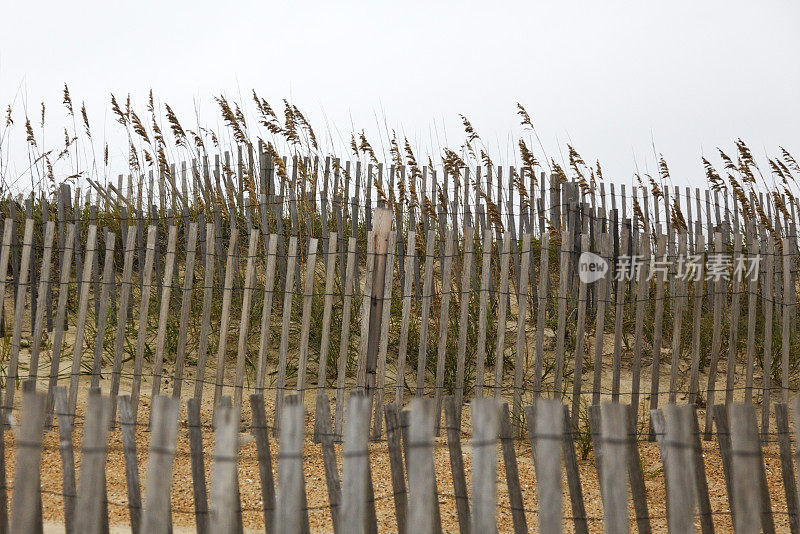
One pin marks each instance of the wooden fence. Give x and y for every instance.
(437, 292)
(410, 440)
(470, 316)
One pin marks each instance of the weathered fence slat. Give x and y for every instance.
(128, 427)
(619, 310)
(421, 471)
(326, 438)
(720, 295)
(90, 509)
(658, 323)
(680, 286)
(209, 264)
(41, 302)
(164, 313)
(385, 323)
(677, 452)
(61, 316)
(292, 514)
(344, 342)
(613, 426)
(512, 471)
(427, 290)
(67, 451)
(752, 316)
(444, 323)
(27, 505)
(724, 441)
(636, 477)
(355, 460)
(580, 342)
(642, 304)
(288, 295)
(463, 319)
(393, 440)
(19, 310)
(733, 333)
(547, 441)
(366, 312)
(750, 514)
(503, 298)
(141, 337)
(482, 314)
(102, 316)
(201, 515)
(324, 346)
(308, 299)
(579, 519)
(485, 425)
(766, 367)
(224, 484)
(157, 515)
(402, 348)
(122, 316)
(457, 464)
(787, 465)
(225, 318)
(603, 299)
(521, 352)
(244, 323)
(266, 313)
(186, 304)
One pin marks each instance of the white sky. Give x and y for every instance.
(610, 77)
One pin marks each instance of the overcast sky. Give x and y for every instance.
(609, 77)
